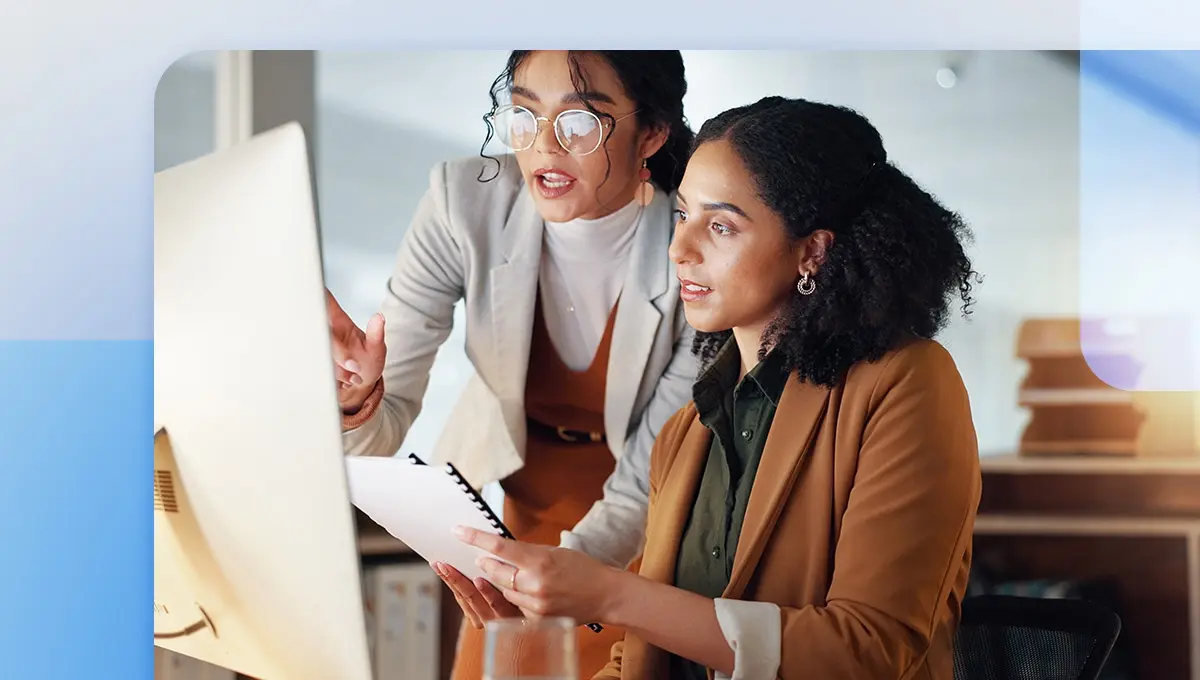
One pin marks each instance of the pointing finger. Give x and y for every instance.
(505, 549)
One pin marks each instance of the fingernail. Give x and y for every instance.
(352, 366)
(461, 532)
(355, 379)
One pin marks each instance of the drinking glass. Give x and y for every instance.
(530, 649)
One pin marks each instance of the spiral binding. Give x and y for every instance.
(484, 508)
(475, 497)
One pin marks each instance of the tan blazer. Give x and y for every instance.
(858, 526)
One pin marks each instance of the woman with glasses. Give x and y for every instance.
(812, 507)
(573, 322)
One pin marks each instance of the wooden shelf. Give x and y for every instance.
(1037, 525)
(1104, 487)
(1011, 463)
(1071, 397)
(1132, 524)
(1096, 448)
(1074, 412)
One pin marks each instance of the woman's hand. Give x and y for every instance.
(547, 581)
(358, 356)
(479, 600)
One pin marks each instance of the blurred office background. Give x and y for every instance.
(1000, 145)
(995, 135)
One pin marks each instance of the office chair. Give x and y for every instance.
(1004, 637)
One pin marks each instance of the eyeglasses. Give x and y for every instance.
(579, 132)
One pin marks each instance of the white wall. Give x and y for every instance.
(1001, 147)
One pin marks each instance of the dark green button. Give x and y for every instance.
(746, 434)
(716, 553)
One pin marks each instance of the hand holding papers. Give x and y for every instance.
(420, 505)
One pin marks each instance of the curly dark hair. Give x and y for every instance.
(653, 79)
(897, 257)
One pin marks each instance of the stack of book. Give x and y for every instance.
(1076, 412)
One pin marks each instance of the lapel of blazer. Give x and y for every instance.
(801, 407)
(665, 532)
(674, 502)
(638, 317)
(513, 291)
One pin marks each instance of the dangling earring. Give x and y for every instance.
(806, 285)
(645, 191)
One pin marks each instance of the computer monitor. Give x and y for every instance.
(256, 567)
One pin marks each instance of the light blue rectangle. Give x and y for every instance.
(76, 528)
(1140, 217)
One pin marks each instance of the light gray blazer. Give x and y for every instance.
(482, 242)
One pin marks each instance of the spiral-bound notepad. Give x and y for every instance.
(421, 504)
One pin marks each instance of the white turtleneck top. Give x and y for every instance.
(583, 268)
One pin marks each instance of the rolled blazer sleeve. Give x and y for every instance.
(614, 528)
(418, 311)
(752, 630)
(905, 532)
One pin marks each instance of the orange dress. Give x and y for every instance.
(560, 480)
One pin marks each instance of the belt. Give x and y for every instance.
(565, 434)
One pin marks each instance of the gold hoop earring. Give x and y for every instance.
(805, 286)
(645, 190)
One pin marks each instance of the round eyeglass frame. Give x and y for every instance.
(538, 120)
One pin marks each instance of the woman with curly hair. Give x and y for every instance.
(811, 508)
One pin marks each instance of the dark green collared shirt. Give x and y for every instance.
(739, 415)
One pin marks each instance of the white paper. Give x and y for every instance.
(420, 505)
